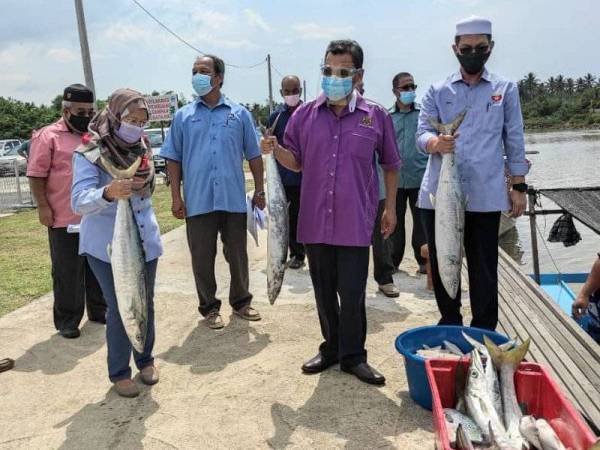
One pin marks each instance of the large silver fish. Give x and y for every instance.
(507, 363)
(480, 405)
(128, 265)
(278, 225)
(449, 203)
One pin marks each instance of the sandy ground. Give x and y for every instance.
(237, 388)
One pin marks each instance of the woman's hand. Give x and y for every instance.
(118, 190)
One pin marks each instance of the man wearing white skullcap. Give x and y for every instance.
(492, 128)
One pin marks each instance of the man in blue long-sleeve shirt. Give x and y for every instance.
(492, 128)
(291, 92)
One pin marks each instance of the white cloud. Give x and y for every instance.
(313, 31)
(256, 20)
(62, 55)
(214, 19)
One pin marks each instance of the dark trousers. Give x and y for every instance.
(398, 237)
(340, 271)
(202, 231)
(383, 269)
(117, 342)
(292, 194)
(481, 250)
(73, 282)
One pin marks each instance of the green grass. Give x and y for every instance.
(25, 257)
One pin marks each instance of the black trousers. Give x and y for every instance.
(398, 238)
(202, 231)
(339, 277)
(383, 269)
(293, 196)
(481, 249)
(73, 283)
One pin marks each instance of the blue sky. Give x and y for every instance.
(39, 46)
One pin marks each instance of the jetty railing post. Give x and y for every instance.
(532, 226)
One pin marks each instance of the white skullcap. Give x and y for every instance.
(473, 25)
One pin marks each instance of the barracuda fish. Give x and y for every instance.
(548, 437)
(480, 405)
(491, 376)
(529, 430)
(278, 225)
(507, 363)
(449, 203)
(128, 265)
(463, 442)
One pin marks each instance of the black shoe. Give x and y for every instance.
(366, 373)
(70, 334)
(317, 364)
(295, 263)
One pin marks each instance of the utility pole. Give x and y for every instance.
(304, 89)
(85, 49)
(270, 84)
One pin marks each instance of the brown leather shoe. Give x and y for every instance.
(247, 313)
(127, 388)
(149, 375)
(214, 320)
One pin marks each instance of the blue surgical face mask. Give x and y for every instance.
(201, 84)
(129, 133)
(336, 88)
(407, 97)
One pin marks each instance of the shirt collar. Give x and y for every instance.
(62, 125)
(457, 76)
(356, 101)
(415, 107)
(223, 100)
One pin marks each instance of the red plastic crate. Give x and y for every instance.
(535, 387)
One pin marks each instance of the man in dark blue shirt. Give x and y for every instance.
(290, 91)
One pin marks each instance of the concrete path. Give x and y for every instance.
(238, 388)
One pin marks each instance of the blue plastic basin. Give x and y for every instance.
(412, 340)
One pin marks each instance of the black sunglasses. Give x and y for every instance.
(408, 87)
(479, 50)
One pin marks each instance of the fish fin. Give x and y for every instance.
(508, 345)
(121, 174)
(435, 124)
(475, 343)
(453, 348)
(432, 200)
(462, 440)
(512, 357)
(456, 122)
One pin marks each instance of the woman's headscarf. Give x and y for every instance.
(118, 152)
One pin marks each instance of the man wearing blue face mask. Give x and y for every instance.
(405, 115)
(206, 146)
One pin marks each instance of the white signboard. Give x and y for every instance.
(162, 107)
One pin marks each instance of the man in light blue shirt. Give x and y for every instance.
(208, 141)
(492, 128)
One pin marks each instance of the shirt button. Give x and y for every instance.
(331, 173)
(333, 155)
(335, 137)
(330, 192)
(330, 210)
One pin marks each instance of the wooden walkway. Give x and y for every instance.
(557, 342)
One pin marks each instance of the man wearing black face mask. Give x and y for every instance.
(49, 169)
(492, 129)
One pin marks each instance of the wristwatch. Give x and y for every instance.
(260, 194)
(520, 187)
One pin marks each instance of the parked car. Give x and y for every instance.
(23, 149)
(8, 144)
(156, 141)
(8, 161)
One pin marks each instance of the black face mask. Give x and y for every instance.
(473, 63)
(80, 123)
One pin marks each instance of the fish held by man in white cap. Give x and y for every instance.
(492, 128)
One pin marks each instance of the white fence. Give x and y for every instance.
(14, 187)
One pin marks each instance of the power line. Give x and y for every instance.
(183, 41)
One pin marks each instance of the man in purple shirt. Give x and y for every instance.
(333, 140)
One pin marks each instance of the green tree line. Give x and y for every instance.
(559, 102)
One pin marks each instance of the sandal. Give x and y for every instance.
(6, 364)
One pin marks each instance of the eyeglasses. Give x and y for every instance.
(407, 87)
(479, 50)
(342, 72)
(137, 123)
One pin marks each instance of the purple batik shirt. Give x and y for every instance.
(340, 192)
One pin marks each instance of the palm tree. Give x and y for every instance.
(551, 86)
(580, 85)
(570, 85)
(560, 84)
(589, 80)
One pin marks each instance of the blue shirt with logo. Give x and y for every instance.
(211, 145)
